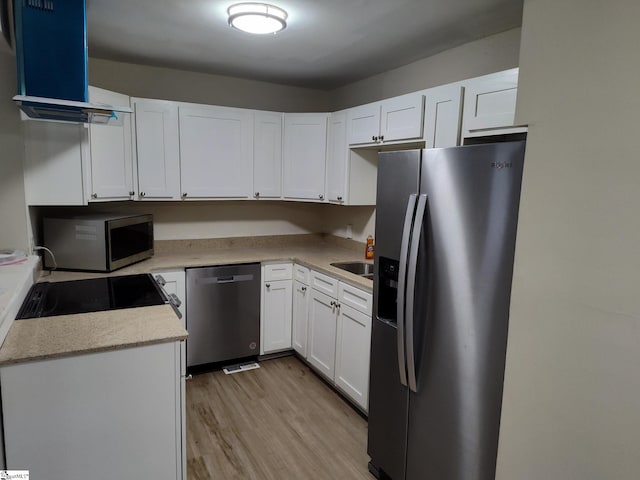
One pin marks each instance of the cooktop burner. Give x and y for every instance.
(48, 299)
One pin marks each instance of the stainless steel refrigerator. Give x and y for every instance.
(445, 238)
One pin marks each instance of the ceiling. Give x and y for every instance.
(327, 43)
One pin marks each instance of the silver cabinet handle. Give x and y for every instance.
(321, 196)
(94, 195)
(402, 276)
(339, 199)
(257, 194)
(304, 289)
(374, 138)
(184, 195)
(268, 285)
(142, 194)
(411, 287)
(381, 138)
(161, 281)
(176, 301)
(189, 377)
(132, 193)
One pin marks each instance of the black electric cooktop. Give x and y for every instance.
(48, 299)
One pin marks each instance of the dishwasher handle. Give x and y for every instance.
(225, 279)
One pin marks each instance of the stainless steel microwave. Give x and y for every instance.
(97, 242)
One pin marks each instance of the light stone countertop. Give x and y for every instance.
(314, 251)
(66, 335)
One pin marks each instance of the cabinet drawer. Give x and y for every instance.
(301, 274)
(280, 271)
(324, 284)
(355, 298)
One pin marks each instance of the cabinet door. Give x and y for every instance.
(111, 156)
(337, 158)
(401, 118)
(216, 152)
(490, 102)
(300, 317)
(442, 117)
(157, 149)
(99, 415)
(55, 163)
(267, 155)
(353, 353)
(305, 155)
(364, 124)
(276, 318)
(174, 283)
(322, 333)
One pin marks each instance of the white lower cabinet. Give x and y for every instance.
(300, 317)
(276, 311)
(352, 354)
(338, 324)
(322, 333)
(174, 283)
(114, 414)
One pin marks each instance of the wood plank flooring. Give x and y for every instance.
(277, 422)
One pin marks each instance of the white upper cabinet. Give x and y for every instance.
(364, 124)
(393, 120)
(443, 116)
(111, 152)
(157, 149)
(337, 158)
(55, 163)
(216, 152)
(401, 118)
(267, 155)
(490, 103)
(304, 155)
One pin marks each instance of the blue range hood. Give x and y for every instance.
(51, 53)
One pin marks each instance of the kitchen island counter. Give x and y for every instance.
(65, 335)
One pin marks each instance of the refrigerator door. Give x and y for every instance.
(398, 176)
(462, 309)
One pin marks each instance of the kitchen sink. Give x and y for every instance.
(363, 269)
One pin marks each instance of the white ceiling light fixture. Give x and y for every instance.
(257, 18)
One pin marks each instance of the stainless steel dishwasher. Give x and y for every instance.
(223, 313)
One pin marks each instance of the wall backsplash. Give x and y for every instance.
(225, 219)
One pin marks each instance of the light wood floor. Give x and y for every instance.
(277, 422)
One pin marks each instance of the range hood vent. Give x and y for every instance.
(51, 55)
(39, 108)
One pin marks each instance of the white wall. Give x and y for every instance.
(180, 85)
(572, 389)
(335, 219)
(13, 212)
(473, 59)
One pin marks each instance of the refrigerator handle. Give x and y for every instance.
(411, 287)
(402, 275)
